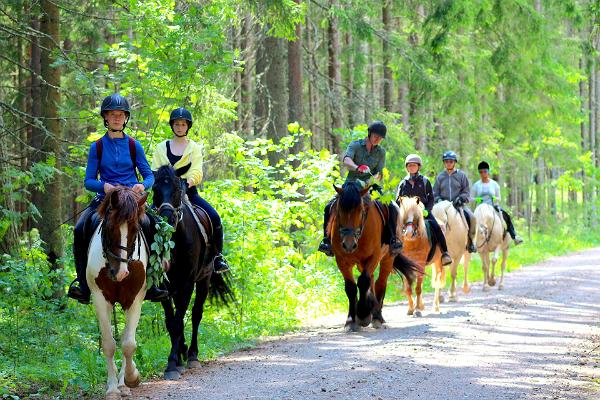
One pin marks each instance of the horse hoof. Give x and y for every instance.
(125, 391)
(492, 282)
(180, 369)
(410, 312)
(352, 327)
(442, 298)
(418, 314)
(501, 286)
(172, 375)
(466, 289)
(133, 383)
(194, 364)
(113, 395)
(364, 322)
(486, 288)
(452, 299)
(377, 324)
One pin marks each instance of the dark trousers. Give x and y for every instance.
(510, 228)
(215, 219)
(437, 231)
(469, 216)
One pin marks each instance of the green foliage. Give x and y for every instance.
(160, 250)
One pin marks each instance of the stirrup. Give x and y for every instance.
(77, 292)
(517, 240)
(156, 294)
(220, 266)
(395, 247)
(325, 247)
(446, 259)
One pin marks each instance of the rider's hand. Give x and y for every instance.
(363, 169)
(478, 200)
(457, 202)
(190, 183)
(108, 187)
(425, 213)
(138, 188)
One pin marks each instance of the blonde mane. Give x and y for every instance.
(412, 207)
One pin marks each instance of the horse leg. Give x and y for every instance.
(197, 312)
(103, 311)
(408, 292)
(174, 321)
(466, 261)
(129, 377)
(419, 293)
(453, 273)
(366, 300)
(492, 280)
(438, 281)
(503, 268)
(485, 265)
(380, 287)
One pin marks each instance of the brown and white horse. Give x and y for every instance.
(491, 238)
(418, 248)
(455, 228)
(116, 273)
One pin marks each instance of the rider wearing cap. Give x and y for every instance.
(185, 155)
(453, 185)
(487, 190)
(365, 159)
(416, 184)
(110, 163)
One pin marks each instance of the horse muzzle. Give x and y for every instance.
(117, 275)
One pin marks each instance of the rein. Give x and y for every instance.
(356, 232)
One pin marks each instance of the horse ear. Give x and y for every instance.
(417, 199)
(114, 198)
(337, 189)
(142, 200)
(399, 200)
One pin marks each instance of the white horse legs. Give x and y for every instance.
(485, 266)
(502, 269)
(129, 375)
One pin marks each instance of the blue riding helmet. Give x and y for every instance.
(449, 155)
(115, 102)
(378, 128)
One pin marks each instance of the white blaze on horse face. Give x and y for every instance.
(123, 268)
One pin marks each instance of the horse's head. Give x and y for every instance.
(351, 214)
(411, 215)
(169, 190)
(121, 211)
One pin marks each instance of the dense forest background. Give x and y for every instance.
(277, 89)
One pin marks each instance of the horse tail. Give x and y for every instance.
(405, 266)
(220, 291)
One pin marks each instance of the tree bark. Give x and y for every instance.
(247, 76)
(335, 79)
(295, 91)
(276, 88)
(388, 77)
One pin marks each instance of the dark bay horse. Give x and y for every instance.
(191, 267)
(356, 231)
(116, 273)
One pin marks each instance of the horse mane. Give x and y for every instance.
(409, 205)
(350, 197)
(126, 208)
(166, 171)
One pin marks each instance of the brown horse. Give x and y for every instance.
(356, 232)
(418, 248)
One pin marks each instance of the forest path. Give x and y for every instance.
(534, 340)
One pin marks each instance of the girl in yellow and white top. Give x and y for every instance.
(185, 155)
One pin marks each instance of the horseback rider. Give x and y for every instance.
(487, 190)
(416, 184)
(185, 155)
(453, 185)
(365, 159)
(112, 161)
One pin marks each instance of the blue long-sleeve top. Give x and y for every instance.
(116, 167)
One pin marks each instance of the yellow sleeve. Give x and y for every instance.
(159, 157)
(195, 171)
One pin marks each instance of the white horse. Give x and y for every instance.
(456, 230)
(491, 237)
(116, 273)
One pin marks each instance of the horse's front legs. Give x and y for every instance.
(129, 377)
(197, 311)
(103, 311)
(408, 293)
(466, 261)
(453, 273)
(419, 293)
(174, 322)
(380, 288)
(366, 300)
(503, 268)
(485, 266)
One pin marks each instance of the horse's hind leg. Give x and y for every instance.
(492, 280)
(366, 300)
(174, 321)
(129, 376)
(103, 312)
(485, 266)
(380, 288)
(503, 268)
(197, 312)
(453, 272)
(408, 292)
(466, 259)
(419, 293)
(351, 292)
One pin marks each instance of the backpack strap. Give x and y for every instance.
(132, 153)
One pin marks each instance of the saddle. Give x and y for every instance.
(381, 209)
(202, 220)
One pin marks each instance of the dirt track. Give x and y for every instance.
(534, 340)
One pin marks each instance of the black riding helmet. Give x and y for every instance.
(378, 128)
(449, 155)
(181, 113)
(115, 102)
(483, 165)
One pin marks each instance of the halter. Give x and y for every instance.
(409, 223)
(175, 210)
(107, 244)
(356, 232)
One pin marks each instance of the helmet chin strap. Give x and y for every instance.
(184, 135)
(122, 130)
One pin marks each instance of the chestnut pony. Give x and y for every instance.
(418, 248)
(356, 231)
(116, 273)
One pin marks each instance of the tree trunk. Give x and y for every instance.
(335, 79)
(295, 66)
(276, 88)
(388, 77)
(248, 49)
(50, 204)
(404, 101)
(261, 110)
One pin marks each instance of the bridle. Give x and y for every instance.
(354, 231)
(175, 210)
(107, 244)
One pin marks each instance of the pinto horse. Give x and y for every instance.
(116, 273)
(491, 238)
(356, 230)
(191, 267)
(419, 248)
(455, 228)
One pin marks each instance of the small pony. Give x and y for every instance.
(356, 231)
(491, 237)
(419, 248)
(116, 273)
(455, 228)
